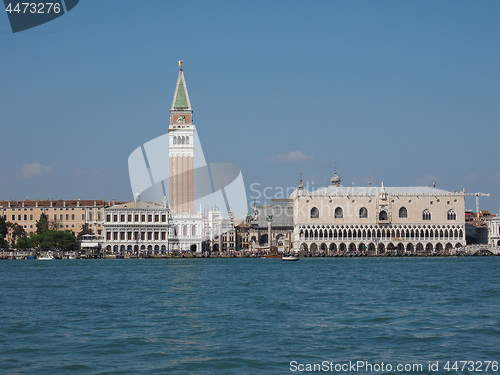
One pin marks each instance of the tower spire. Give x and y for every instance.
(181, 97)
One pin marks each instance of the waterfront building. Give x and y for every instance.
(494, 230)
(187, 232)
(272, 222)
(147, 226)
(476, 226)
(136, 226)
(62, 214)
(219, 231)
(377, 220)
(242, 231)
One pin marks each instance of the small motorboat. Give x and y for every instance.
(48, 256)
(290, 258)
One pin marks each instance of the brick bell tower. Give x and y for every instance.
(181, 150)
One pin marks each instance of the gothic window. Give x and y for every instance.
(187, 140)
(363, 213)
(175, 140)
(452, 215)
(339, 214)
(314, 213)
(382, 215)
(426, 215)
(403, 213)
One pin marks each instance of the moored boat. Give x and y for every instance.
(271, 256)
(48, 256)
(290, 258)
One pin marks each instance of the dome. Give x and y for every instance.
(336, 179)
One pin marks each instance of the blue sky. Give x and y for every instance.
(407, 92)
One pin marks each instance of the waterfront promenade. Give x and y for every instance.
(470, 250)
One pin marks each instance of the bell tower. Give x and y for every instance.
(181, 149)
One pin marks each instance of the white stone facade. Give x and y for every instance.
(377, 220)
(187, 233)
(137, 226)
(494, 231)
(141, 226)
(216, 227)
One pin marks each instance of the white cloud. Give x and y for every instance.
(34, 169)
(291, 156)
(426, 180)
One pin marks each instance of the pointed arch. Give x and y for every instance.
(339, 213)
(426, 214)
(403, 213)
(363, 213)
(314, 213)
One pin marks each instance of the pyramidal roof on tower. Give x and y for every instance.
(181, 97)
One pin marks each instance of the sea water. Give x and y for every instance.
(249, 316)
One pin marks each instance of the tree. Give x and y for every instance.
(22, 243)
(36, 241)
(16, 231)
(3, 232)
(54, 224)
(59, 239)
(3, 226)
(42, 225)
(85, 230)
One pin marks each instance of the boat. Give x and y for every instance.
(271, 256)
(290, 258)
(48, 256)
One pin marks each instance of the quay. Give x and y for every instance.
(470, 250)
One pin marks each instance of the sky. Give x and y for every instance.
(404, 92)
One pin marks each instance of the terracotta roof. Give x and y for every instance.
(58, 203)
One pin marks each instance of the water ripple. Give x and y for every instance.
(244, 316)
